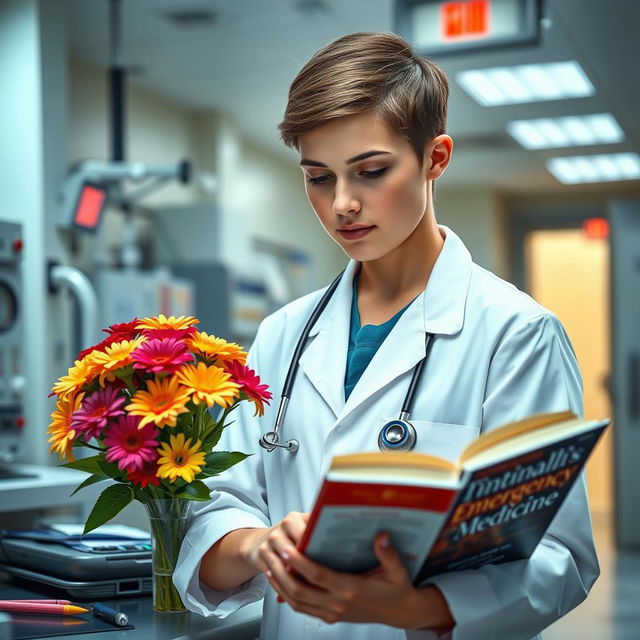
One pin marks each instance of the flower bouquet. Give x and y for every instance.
(141, 400)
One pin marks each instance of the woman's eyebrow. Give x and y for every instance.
(361, 156)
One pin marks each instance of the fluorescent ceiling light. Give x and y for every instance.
(600, 168)
(549, 133)
(526, 83)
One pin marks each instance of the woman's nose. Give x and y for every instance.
(344, 200)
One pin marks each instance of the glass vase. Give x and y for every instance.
(169, 521)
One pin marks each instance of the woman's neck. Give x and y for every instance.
(405, 271)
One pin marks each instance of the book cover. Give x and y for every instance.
(504, 509)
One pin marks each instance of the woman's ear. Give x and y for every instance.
(437, 156)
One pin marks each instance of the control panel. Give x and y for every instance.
(12, 377)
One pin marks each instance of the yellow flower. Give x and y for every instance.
(62, 435)
(163, 401)
(162, 322)
(115, 356)
(82, 372)
(216, 348)
(208, 384)
(179, 459)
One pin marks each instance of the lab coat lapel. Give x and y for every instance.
(403, 348)
(324, 360)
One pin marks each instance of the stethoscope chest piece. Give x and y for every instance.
(397, 435)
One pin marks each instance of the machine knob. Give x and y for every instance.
(18, 385)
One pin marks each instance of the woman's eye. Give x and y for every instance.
(318, 180)
(374, 174)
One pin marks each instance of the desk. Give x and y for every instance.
(242, 625)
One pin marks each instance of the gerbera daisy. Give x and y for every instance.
(250, 385)
(163, 401)
(148, 474)
(60, 431)
(161, 356)
(176, 334)
(129, 446)
(79, 374)
(180, 459)
(123, 331)
(162, 322)
(216, 348)
(101, 346)
(95, 411)
(208, 384)
(116, 356)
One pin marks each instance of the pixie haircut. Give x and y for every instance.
(362, 72)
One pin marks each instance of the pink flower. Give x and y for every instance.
(164, 355)
(130, 446)
(148, 474)
(250, 385)
(96, 410)
(178, 334)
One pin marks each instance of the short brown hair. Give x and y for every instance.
(363, 72)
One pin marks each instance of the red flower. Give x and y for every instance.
(161, 356)
(101, 346)
(146, 475)
(123, 331)
(250, 385)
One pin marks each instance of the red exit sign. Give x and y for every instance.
(465, 19)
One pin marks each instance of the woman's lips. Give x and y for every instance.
(355, 234)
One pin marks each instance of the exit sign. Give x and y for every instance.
(438, 27)
(465, 19)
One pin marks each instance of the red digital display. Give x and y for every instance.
(89, 207)
(465, 19)
(596, 228)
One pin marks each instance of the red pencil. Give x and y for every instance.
(40, 601)
(38, 607)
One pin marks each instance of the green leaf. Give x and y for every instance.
(90, 465)
(196, 490)
(110, 503)
(89, 481)
(109, 468)
(213, 438)
(219, 461)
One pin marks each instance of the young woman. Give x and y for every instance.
(368, 117)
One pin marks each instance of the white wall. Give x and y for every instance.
(476, 215)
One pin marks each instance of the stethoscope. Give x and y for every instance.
(395, 435)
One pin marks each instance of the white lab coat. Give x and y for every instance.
(498, 356)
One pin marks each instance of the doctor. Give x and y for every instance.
(368, 117)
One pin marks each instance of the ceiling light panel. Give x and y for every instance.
(570, 131)
(597, 168)
(526, 83)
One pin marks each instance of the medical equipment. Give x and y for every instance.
(395, 435)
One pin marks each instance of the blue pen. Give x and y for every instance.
(110, 615)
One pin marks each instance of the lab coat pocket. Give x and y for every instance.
(441, 439)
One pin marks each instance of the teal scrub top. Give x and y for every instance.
(364, 342)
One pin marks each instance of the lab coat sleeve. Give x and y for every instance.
(238, 501)
(533, 370)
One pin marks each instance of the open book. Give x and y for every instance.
(492, 506)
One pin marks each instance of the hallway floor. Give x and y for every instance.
(612, 610)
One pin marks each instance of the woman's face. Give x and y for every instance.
(365, 184)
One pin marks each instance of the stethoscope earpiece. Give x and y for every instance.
(397, 435)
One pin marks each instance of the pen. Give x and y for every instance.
(110, 615)
(38, 607)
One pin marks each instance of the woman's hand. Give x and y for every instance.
(384, 595)
(267, 545)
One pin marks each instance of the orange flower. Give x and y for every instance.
(83, 371)
(115, 356)
(163, 401)
(216, 348)
(162, 322)
(60, 431)
(208, 384)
